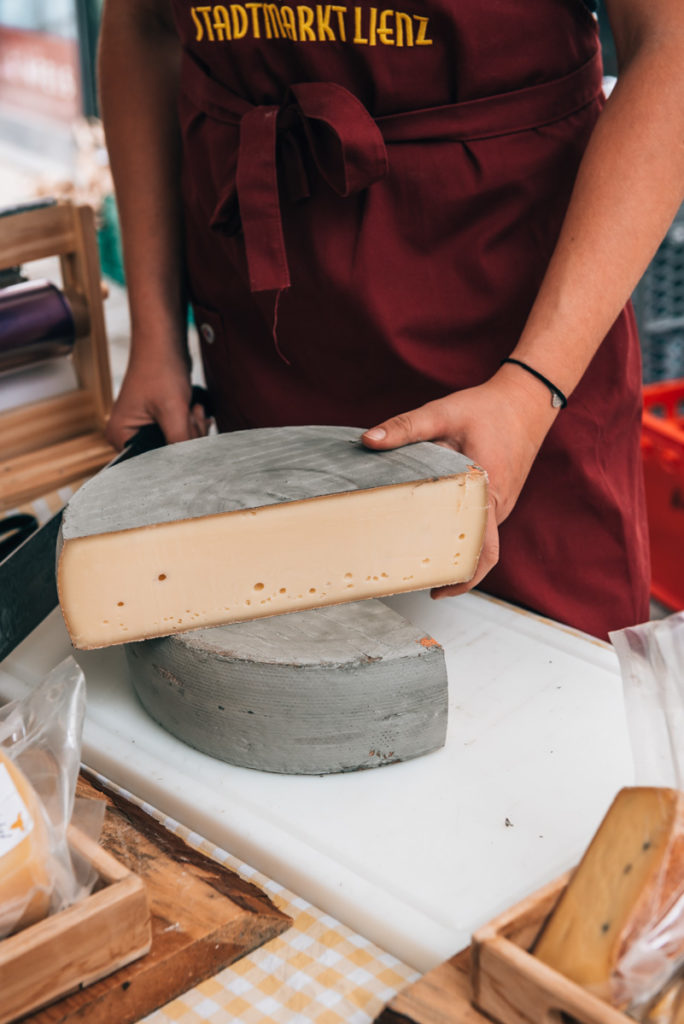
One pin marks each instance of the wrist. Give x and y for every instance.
(528, 398)
(558, 399)
(155, 355)
(158, 337)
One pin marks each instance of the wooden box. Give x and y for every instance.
(513, 987)
(57, 440)
(79, 945)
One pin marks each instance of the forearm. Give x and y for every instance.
(138, 71)
(629, 186)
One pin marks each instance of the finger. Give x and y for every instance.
(176, 422)
(423, 424)
(199, 420)
(489, 556)
(118, 433)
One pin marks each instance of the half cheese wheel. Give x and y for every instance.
(326, 690)
(256, 523)
(25, 878)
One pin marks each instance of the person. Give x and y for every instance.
(422, 220)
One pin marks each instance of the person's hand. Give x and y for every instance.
(500, 425)
(156, 391)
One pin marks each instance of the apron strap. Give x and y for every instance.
(347, 144)
(502, 114)
(350, 155)
(256, 184)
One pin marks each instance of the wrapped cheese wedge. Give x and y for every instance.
(40, 756)
(25, 857)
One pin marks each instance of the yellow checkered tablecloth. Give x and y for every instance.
(318, 970)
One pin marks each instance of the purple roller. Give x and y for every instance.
(35, 323)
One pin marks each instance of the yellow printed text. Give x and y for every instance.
(309, 23)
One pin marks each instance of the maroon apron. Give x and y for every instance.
(372, 196)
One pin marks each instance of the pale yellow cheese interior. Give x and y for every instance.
(25, 878)
(166, 578)
(624, 881)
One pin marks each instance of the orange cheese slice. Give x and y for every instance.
(25, 877)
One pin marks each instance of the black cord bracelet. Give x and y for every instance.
(558, 399)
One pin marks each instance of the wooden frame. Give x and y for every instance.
(49, 443)
(79, 945)
(513, 987)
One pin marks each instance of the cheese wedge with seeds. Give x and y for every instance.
(238, 526)
(629, 877)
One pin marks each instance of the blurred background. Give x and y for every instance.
(51, 145)
(47, 84)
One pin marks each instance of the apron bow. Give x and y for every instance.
(347, 149)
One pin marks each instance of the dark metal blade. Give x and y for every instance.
(28, 584)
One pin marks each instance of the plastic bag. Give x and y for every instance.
(40, 754)
(651, 660)
(652, 664)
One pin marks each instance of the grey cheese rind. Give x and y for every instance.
(245, 470)
(328, 690)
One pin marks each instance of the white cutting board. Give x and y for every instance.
(413, 856)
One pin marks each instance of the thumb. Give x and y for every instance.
(199, 420)
(422, 424)
(175, 420)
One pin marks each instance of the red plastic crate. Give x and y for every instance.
(662, 445)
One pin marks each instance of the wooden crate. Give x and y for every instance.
(79, 945)
(513, 987)
(497, 979)
(51, 442)
(203, 915)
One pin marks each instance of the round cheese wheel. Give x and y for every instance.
(331, 689)
(25, 875)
